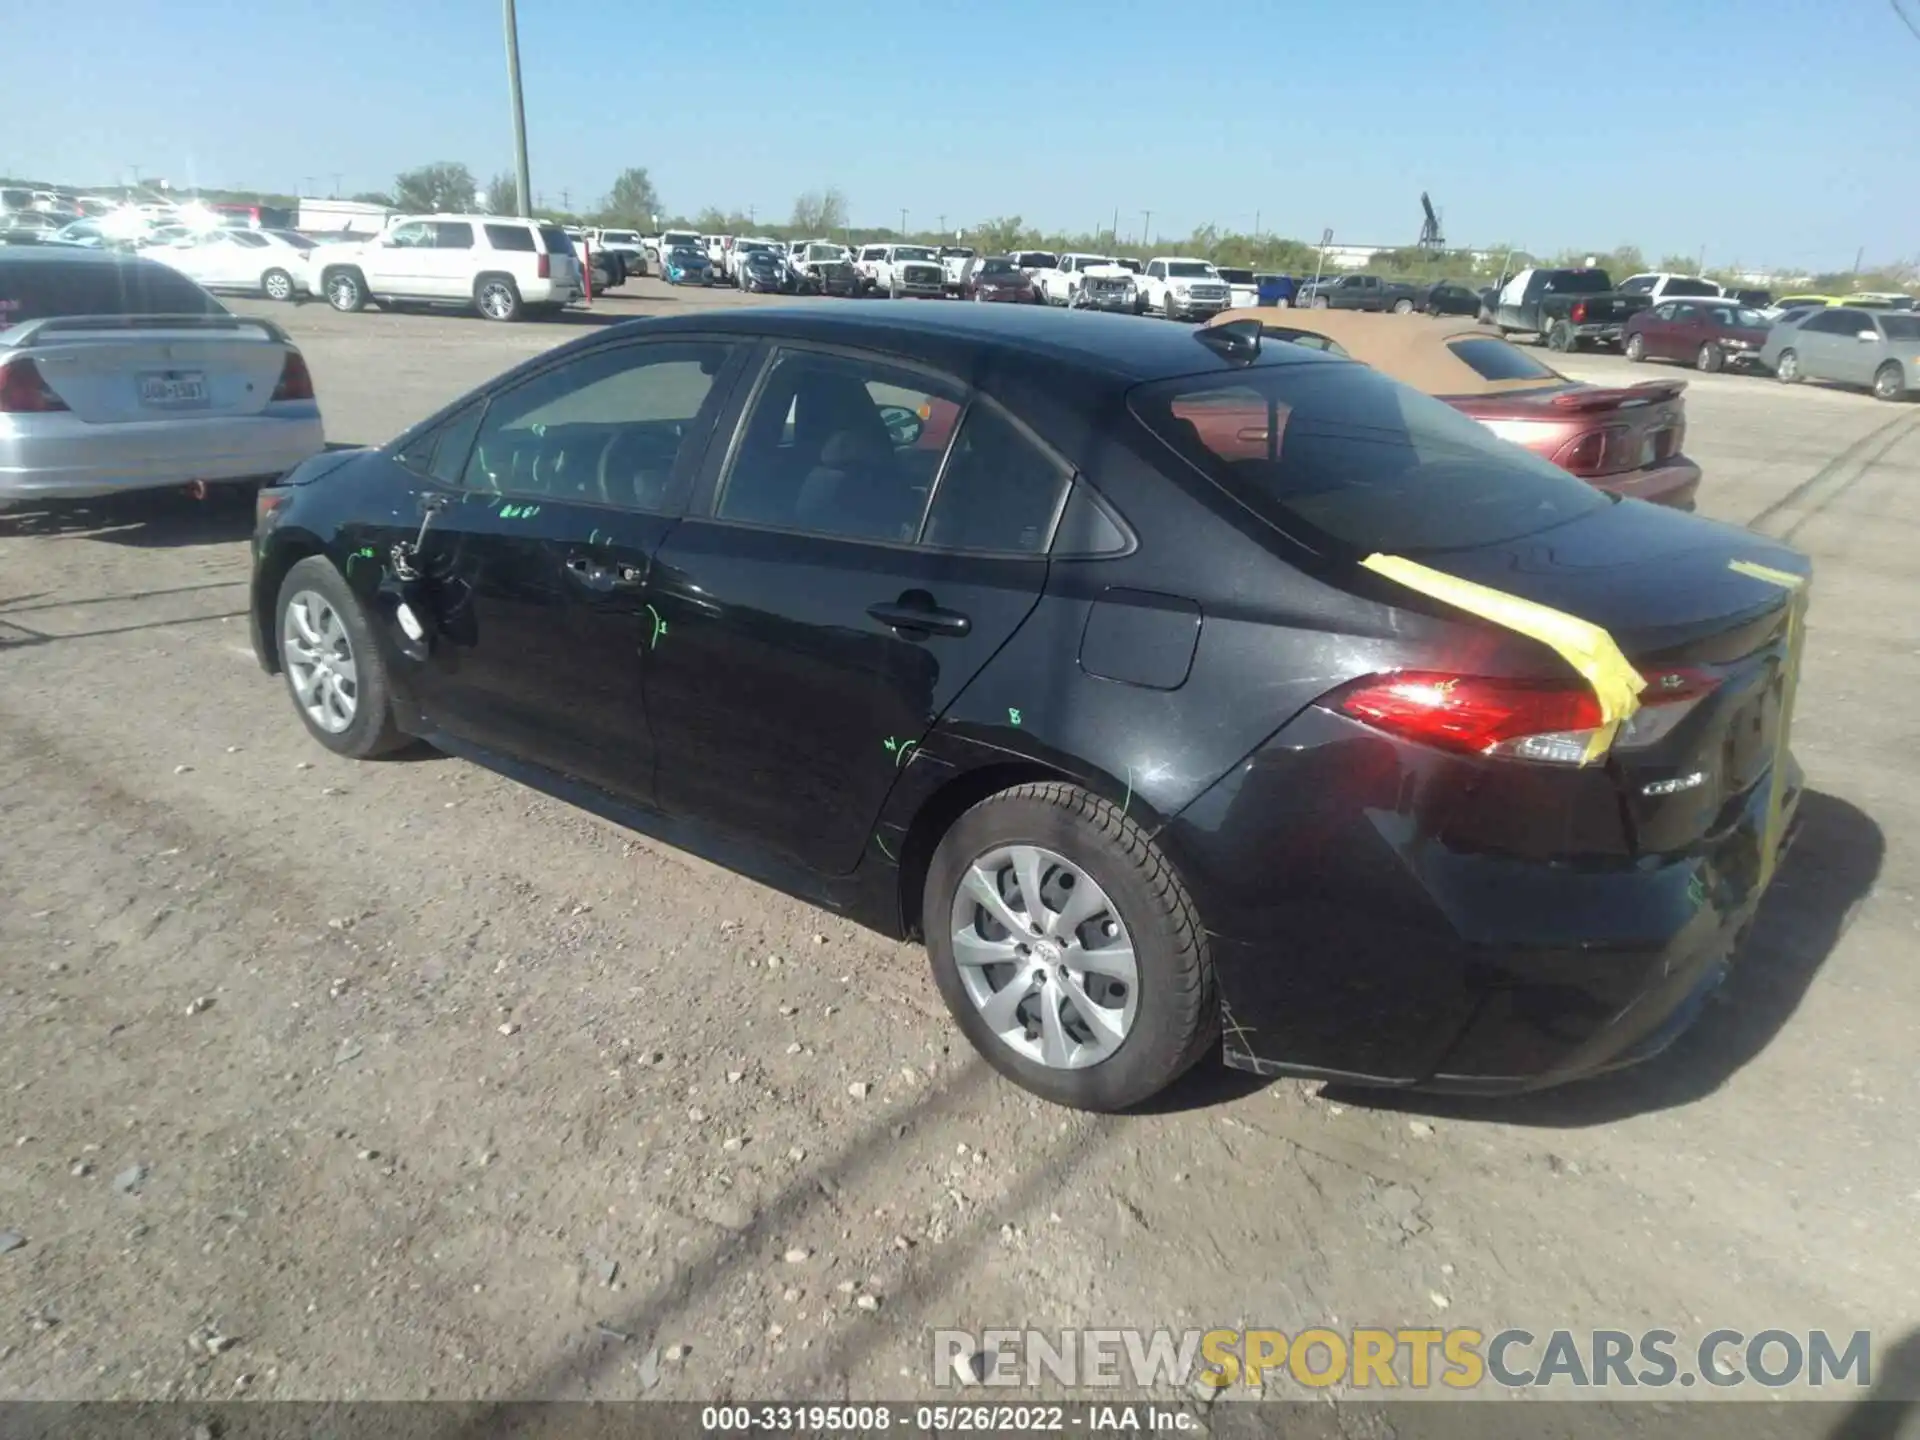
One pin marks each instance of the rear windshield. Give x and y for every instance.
(1691, 287)
(1901, 327)
(1344, 459)
(558, 242)
(39, 289)
(619, 237)
(1493, 359)
(1579, 282)
(1237, 277)
(294, 238)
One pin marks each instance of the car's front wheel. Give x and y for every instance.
(1403, 307)
(1067, 948)
(346, 292)
(1889, 382)
(1710, 359)
(277, 284)
(1636, 349)
(334, 670)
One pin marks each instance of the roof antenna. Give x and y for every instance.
(1237, 340)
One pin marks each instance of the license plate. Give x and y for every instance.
(173, 389)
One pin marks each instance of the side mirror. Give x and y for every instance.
(904, 426)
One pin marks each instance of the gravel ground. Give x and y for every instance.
(323, 1080)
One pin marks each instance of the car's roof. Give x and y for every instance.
(1130, 348)
(1416, 350)
(71, 255)
(1182, 260)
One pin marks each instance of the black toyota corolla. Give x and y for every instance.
(1066, 642)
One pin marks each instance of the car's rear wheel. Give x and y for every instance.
(1636, 349)
(497, 298)
(1787, 368)
(333, 667)
(1560, 336)
(1889, 382)
(346, 292)
(1321, 302)
(1067, 948)
(277, 284)
(1403, 307)
(1710, 359)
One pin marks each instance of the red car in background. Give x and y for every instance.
(1624, 439)
(999, 278)
(1708, 333)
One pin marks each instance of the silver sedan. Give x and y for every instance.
(120, 374)
(1879, 349)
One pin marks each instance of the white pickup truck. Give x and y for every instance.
(1094, 282)
(1183, 288)
(902, 270)
(627, 242)
(956, 263)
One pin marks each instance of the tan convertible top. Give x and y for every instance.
(1416, 350)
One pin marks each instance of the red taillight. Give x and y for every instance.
(295, 381)
(543, 267)
(1583, 454)
(23, 392)
(1468, 713)
(1546, 721)
(1579, 312)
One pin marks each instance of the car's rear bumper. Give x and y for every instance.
(1357, 936)
(1673, 482)
(59, 457)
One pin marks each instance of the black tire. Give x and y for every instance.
(496, 297)
(1890, 382)
(893, 288)
(277, 284)
(373, 732)
(1710, 360)
(1635, 349)
(1560, 337)
(1786, 369)
(1178, 1008)
(345, 290)
(1167, 311)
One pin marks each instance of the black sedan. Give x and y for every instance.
(1449, 298)
(1066, 642)
(765, 272)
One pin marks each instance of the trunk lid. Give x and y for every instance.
(114, 370)
(1662, 584)
(1592, 430)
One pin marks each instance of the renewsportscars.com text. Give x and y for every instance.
(1410, 1359)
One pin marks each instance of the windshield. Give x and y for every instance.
(1190, 270)
(130, 287)
(293, 238)
(685, 255)
(1039, 259)
(998, 265)
(674, 239)
(955, 252)
(1901, 327)
(824, 252)
(619, 237)
(913, 252)
(1339, 456)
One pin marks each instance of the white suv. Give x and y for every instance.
(499, 265)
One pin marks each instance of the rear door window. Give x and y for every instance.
(452, 235)
(1347, 461)
(39, 289)
(510, 237)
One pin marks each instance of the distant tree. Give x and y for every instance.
(999, 235)
(373, 197)
(502, 195)
(632, 202)
(820, 212)
(713, 221)
(445, 185)
(1679, 264)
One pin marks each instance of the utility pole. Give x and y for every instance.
(306, 187)
(903, 221)
(337, 177)
(1859, 257)
(522, 178)
(566, 199)
(1256, 224)
(1116, 227)
(1146, 229)
(943, 226)
(752, 212)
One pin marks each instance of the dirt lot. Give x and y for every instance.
(409, 1082)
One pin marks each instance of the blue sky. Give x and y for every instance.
(1776, 132)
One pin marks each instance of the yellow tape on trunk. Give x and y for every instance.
(1590, 650)
(1796, 635)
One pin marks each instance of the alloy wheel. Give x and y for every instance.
(1886, 383)
(496, 300)
(320, 662)
(1788, 368)
(278, 285)
(1045, 956)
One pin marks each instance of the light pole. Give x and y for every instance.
(903, 222)
(521, 177)
(1146, 230)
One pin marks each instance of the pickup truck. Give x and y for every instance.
(956, 263)
(1658, 285)
(1182, 287)
(904, 270)
(1357, 292)
(1565, 308)
(1086, 281)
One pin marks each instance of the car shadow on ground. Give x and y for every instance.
(1891, 1410)
(1821, 884)
(149, 519)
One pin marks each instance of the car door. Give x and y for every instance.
(1855, 359)
(447, 268)
(398, 262)
(1821, 343)
(538, 556)
(1683, 332)
(1156, 281)
(836, 586)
